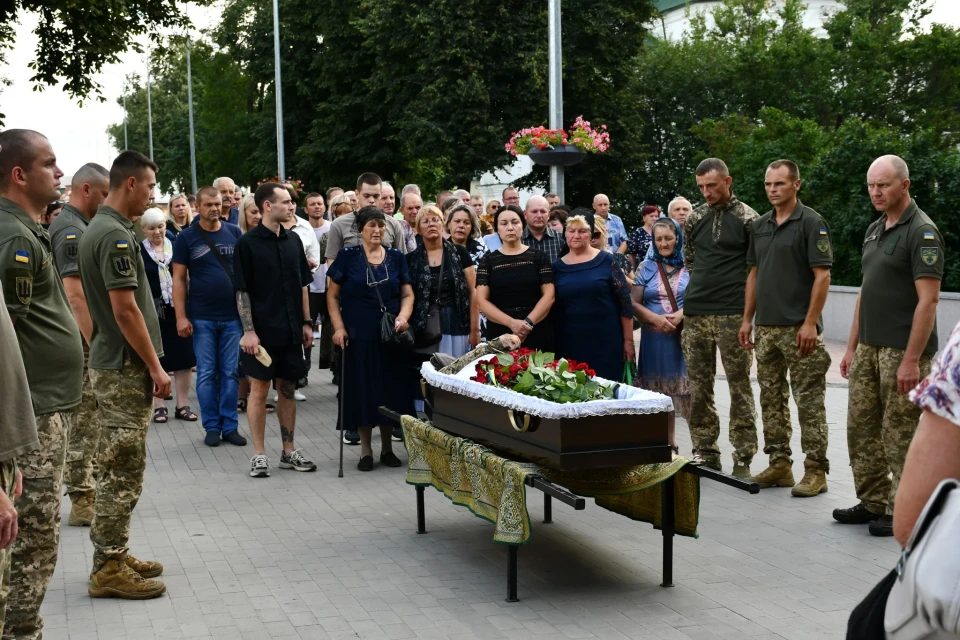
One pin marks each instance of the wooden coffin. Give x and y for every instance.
(591, 442)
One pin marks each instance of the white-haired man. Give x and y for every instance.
(228, 189)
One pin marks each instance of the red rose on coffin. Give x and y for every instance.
(539, 374)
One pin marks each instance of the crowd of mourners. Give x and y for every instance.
(111, 304)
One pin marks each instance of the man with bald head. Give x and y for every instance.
(538, 235)
(88, 189)
(616, 232)
(892, 340)
(410, 205)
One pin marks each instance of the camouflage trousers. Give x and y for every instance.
(33, 555)
(777, 355)
(880, 424)
(702, 336)
(8, 483)
(79, 474)
(125, 400)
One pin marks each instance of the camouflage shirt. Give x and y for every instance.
(715, 241)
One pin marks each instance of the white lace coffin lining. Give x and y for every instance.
(630, 400)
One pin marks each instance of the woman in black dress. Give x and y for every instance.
(178, 355)
(515, 285)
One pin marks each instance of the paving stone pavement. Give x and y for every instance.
(311, 556)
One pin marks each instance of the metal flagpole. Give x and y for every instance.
(126, 144)
(556, 88)
(281, 169)
(193, 149)
(149, 109)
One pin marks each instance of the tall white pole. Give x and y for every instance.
(193, 149)
(281, 168)
(126, 144)
(556, 88)
(149, 110)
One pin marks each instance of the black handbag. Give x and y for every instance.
(431, 333)
(388, 321)
(866, 620)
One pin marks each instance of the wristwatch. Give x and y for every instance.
(529, 321)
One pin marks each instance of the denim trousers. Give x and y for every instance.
(216, 344)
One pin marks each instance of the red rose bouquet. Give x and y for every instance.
(539, 374)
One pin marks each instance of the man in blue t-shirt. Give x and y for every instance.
(210, 316)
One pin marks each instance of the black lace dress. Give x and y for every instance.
(514, 283)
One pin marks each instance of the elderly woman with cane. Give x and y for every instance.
(365, 282)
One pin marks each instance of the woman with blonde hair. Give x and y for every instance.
(179, 215)
(249, 213)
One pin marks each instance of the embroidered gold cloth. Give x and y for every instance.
(492, 487)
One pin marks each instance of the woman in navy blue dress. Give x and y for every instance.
(370, 372)
(592, 314)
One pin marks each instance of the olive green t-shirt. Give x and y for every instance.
(110, 259)
(715, 241)
(46, 331)
(893, 259)
(784, 256)
(65, 234)
(18, 423)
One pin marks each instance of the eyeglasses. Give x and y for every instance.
(370, 281)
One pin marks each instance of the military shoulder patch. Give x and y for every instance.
(929, 255)
(122, 264)
(122, 244)
(823, 245)
(24, 289)
(72, 249)
(823, 231)
(71, 236)
(928, 235)
(22, 257)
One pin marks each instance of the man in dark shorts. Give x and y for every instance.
(271, 276)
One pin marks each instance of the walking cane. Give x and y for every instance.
(343, 427)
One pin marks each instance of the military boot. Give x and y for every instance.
(146, 568)
(778, 474)
(82, 510)
(814, 481)
(741, 470)
(117, 580)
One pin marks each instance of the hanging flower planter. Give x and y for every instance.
(559, 148)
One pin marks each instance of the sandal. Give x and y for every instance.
(270, 408)
(241, 405)
(160, 415)
(184, 413)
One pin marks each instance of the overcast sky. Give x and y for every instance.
(78, 133)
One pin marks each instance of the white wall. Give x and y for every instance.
(838, 314)
(677, 21)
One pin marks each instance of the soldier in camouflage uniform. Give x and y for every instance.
(716, 237)
(892, 341)
(53, 355)
(87, 191)
(124, 370)
(791, 256)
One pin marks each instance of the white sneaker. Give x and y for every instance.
(299, 397)
(259, 467)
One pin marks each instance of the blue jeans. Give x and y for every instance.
(216, 344)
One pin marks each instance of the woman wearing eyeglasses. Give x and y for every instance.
(370, 380)
(592, 315)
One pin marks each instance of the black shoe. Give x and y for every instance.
(351, 438)
(365, 464)
(323, 365)
(390, 459)
(212, 439)
(335, 381)
(855, 515)
(302, 382)
(882, 527)
(234, 437)
(397, 434)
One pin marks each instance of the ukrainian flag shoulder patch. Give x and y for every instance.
(928, 235)
(22, 256)
(823, 231)
(122, 244)
(71, 236)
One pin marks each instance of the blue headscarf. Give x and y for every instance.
(675, 259)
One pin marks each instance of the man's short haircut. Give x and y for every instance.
(793, 171)
(550, 195)
(386, 183)
(463, 194)
(331, 190)
(410, 188)
(192, 199)
(450, 202)
(368, 178)
(207, 192)
(216, 183)
(292, 192)
(509, 188)
(266, 192)
(129, 164)
(313, 195)
(403, 198)
(675, 201)
(476, 197)
(89, 173)
(713, 164)
(16, 150)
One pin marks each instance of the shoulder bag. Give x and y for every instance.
(924, 603)
(216, 252)
(673, 300)
(388, 321)
(431, 333)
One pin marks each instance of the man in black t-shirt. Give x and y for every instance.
(271, 275)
